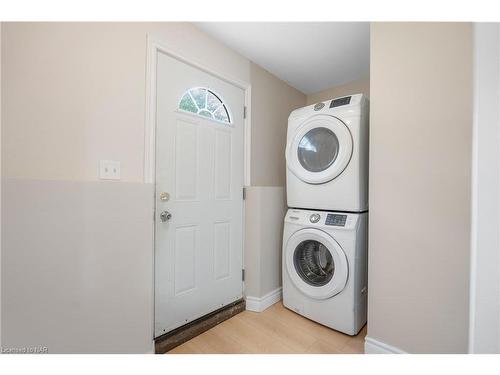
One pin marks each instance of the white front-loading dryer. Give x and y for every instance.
(327, 155)
(325, 267)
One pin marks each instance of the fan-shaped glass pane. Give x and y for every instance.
(187, 104)
(205, 113)
(221, 114)
(200, 96)
(205, 103)
(213, 102)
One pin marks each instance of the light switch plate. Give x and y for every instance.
(109, 170)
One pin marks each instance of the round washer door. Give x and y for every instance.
(320, 149)
(316, 263)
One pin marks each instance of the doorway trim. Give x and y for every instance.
(484, 288)
(155, 46)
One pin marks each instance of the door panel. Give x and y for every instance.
(199, 164)
(222, 256)
(186, 159)
(185, 247)
(222, 164)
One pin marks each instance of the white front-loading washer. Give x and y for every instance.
(327, 155)
(325, 267)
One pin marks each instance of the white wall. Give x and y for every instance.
(0, 187)
(272, 102)
(485, 242)
(355, 87)
(420, 178)
(72, 94)
(76, 93)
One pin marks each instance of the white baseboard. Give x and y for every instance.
(373, 346)
(260, 304)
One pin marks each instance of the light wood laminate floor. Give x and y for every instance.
(277, 330)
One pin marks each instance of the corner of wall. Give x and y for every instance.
(272, 102)
(264, 213)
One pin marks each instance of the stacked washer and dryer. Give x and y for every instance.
(325, 236)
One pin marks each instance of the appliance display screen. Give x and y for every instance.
(341, 101)
(336, 220)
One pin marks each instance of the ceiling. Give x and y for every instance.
(310, 56)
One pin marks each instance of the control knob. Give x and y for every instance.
(314, 218)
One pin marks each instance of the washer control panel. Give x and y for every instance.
(314, 218)
(336, 220)
(323, 219)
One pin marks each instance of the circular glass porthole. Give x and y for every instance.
(318, 149)
(313, 263)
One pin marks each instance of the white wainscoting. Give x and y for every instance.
(265, 209)
(77, 266)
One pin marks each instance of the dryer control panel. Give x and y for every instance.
(340, 101)
(336, 220)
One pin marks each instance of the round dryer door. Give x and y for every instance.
(320, 150)
(316, 263)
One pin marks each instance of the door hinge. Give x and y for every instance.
(245, 111)
(244, 193)
(243, 274)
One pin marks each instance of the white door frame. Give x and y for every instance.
(155, 46)
(484, 299)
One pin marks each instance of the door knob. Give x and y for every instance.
(165, 216)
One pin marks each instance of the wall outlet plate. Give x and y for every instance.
(109, 170)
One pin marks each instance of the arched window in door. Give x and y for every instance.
(205, 103)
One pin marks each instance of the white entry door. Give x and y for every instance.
(199, 193)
